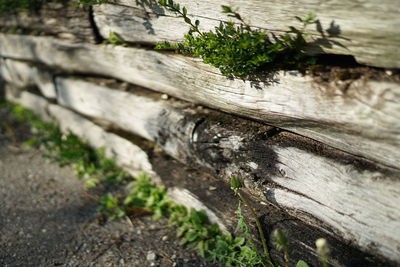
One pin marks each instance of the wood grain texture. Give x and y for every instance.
(38, 105)
(22, 74)
(369, 30)
(362, 119)
(356, 199)
(127, 155)
(60, 19)
(190, 184)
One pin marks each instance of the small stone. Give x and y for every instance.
(164, 238)
(212, 188)
(389, 72)
(164, 96)
(151, 256)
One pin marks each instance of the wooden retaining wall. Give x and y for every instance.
(319, 156)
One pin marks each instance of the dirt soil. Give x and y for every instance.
(47, 218)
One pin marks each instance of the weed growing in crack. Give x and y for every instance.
(237, 49)
(281, 239)
(114, 39)
(236, 187)
(193, 227)
(240, 50)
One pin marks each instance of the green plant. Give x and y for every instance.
(115, 39)
(240, 50)
(89, 163)
(193, 227)
(301, 263)
(281, 239)
(110, 205)
(144, 194)
(196, 232)
(237, 50)
(236, 186)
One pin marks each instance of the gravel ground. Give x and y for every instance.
(47, 218)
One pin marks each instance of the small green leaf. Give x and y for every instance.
(301, 263)
(310, 18)
(239, 241)
(184, 11)
(187, 20)
(235, 183)
(226, 9)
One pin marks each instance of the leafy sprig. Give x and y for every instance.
(240, 50)
(237, 49)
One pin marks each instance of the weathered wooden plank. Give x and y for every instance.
(359, 200)
(22, 75)
(138, 26)
(361, 118)
(37, 104)
(60, 19)
(367, 30)
(128, 155)
(302, 236)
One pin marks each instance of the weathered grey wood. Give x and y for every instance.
(367, 30)
(60, 19)
(138, 26)
(194, 181)
(352, 196)
(22, 75)
(129, 156)
(37, 104)
(362, 119)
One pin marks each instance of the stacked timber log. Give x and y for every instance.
(319, 155)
